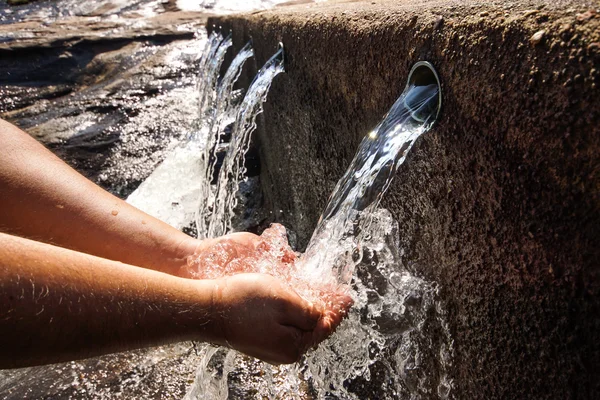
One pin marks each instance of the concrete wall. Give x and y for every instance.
(499, 203)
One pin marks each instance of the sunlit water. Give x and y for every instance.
(53, 10)
(226, 6)
(395, 342)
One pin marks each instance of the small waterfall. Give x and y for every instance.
(171, 192)
(224, 110)
(210, 65)
(217, 205)
(233, 170)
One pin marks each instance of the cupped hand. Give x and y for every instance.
(264, 318)
(261, 317)
(211, 258)
(260, 312)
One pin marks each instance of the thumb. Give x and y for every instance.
(301, 313)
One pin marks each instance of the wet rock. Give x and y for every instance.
(97, 91)
(586, 16)
(150, 373)
(529, 13)
(18, 2)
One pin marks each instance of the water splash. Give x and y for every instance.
(395, 342)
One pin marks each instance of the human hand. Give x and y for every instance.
(268, 259)
(209, 258)
(262, 317)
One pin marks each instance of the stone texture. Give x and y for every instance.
(499, 203)
(108, 95)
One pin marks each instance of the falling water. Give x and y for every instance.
(171, 192)
(344, 223)
(210, 65)
(223, 111)
(395, 342)
(233, 170)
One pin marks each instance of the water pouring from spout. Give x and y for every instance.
(350, 224)
(358, 193)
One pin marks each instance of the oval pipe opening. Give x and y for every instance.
(425, 95)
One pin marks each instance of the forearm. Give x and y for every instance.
(58, 305)
(42, 198)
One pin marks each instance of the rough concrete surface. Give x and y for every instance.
(499, 203)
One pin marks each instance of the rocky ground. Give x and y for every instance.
(106, 89)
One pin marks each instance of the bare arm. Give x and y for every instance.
(44, 199)
(58, 305)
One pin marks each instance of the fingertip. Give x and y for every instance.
(314, 312)
(348, 301)
(302, 314)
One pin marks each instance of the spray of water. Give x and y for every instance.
(395, 342)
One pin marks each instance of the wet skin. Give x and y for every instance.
(83, 273)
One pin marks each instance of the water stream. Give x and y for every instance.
(395, 340)
(233, 169)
